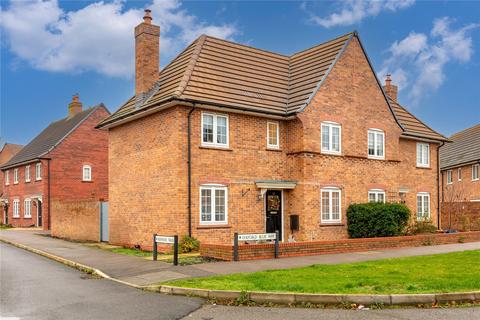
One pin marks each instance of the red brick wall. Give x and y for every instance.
(266, 251)
(464, 190)
(76, 220)
(148, 164)
(461, 215)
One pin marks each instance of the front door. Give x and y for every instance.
(39, 213)
(273, 211)
(5, 207)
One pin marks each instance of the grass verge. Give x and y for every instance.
(451, 272)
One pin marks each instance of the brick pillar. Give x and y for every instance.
(147, 54)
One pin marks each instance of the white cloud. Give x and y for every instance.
(354, 11)
(97, 37)
(419, 59)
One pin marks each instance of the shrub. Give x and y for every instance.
(368, 220)
(189, 244)
(421, 227)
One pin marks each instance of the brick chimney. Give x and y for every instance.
(147, 54)
(75, 106)
(390, 89)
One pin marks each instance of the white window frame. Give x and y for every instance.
(16, 208)
(423, 195)
(376, 132)
(376, 192)
(331, 190)
(213, 187)
(27, 210)
(421, 153)
(475, 168)
(459, 174)
(272, 146)
(84, 177)
(449, 177)
(7, 177)
(38, 171)
(214, 143)
(27, 173)
(15, 176)
(331, 125)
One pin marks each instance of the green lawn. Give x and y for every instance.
(450, 272)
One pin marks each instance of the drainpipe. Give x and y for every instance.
(189, 174)
(48, 183)
(438, 185)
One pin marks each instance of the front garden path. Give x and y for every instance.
(142, 272)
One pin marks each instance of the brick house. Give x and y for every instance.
(54, 180)
(459, 165)
(229, 138)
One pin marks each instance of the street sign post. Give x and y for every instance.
(255, 237)
(166, 240)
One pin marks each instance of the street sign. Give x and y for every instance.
(257, 236)
(164, 239)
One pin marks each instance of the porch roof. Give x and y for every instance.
(276, 184)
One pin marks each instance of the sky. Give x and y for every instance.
(51, 50)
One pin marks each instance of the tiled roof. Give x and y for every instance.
(8, 150)
(412, 125)
(50, 137)
(221, 72)
(465, 148)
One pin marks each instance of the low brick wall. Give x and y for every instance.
(463, 216)
(265, 251)
(76, 220)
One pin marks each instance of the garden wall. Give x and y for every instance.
(463, 216)
(266, 251)
(76, 220)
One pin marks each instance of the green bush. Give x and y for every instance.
(368, 220)
(420, 227)
(189, 244)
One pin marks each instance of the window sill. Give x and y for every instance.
(331, 153)
(215, 148)
(474, 180)
(28, 181)
(87, 181)
(214, 226)
(423, 167)
(38, 179)
(333, 224)
(375, 158)
(273, 149)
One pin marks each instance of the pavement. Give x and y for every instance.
(143, 272)
(34, 287)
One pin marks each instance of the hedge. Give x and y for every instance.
(368, 220)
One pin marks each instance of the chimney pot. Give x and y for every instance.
(75, 106)
(390, 89)
(147, 18)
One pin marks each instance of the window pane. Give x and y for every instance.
(419, 206)
(207, 128)
(426, 205)
(272, 134)
(426, 154)
(335, 205)
(325, 137)
(379, 145)
(219, 205)
(325, 205)
(335, 138)
(371, 143)
(380, 197)
(419, 153)
(371, 197)
(206, 205)
(222, 130)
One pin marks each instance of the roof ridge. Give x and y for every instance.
(418, 119)
(191, 65)
(248, 46)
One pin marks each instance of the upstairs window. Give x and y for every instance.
(459, 174)
(330, 205)
(214, 130)
(38, 171)
(376, 195)
(27, 174)
(213, 205)
(15, 176)
(27, 213)
(449, 177)
(331, 138)
(423, 206)
(273, 135)
(475, 172)
(423, 155)
(16, 208)
(7, 177)
(376, 144)
(87, 173)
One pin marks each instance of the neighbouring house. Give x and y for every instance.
(229, 138)
(460, 170)
(57, 180)
(7, 151)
